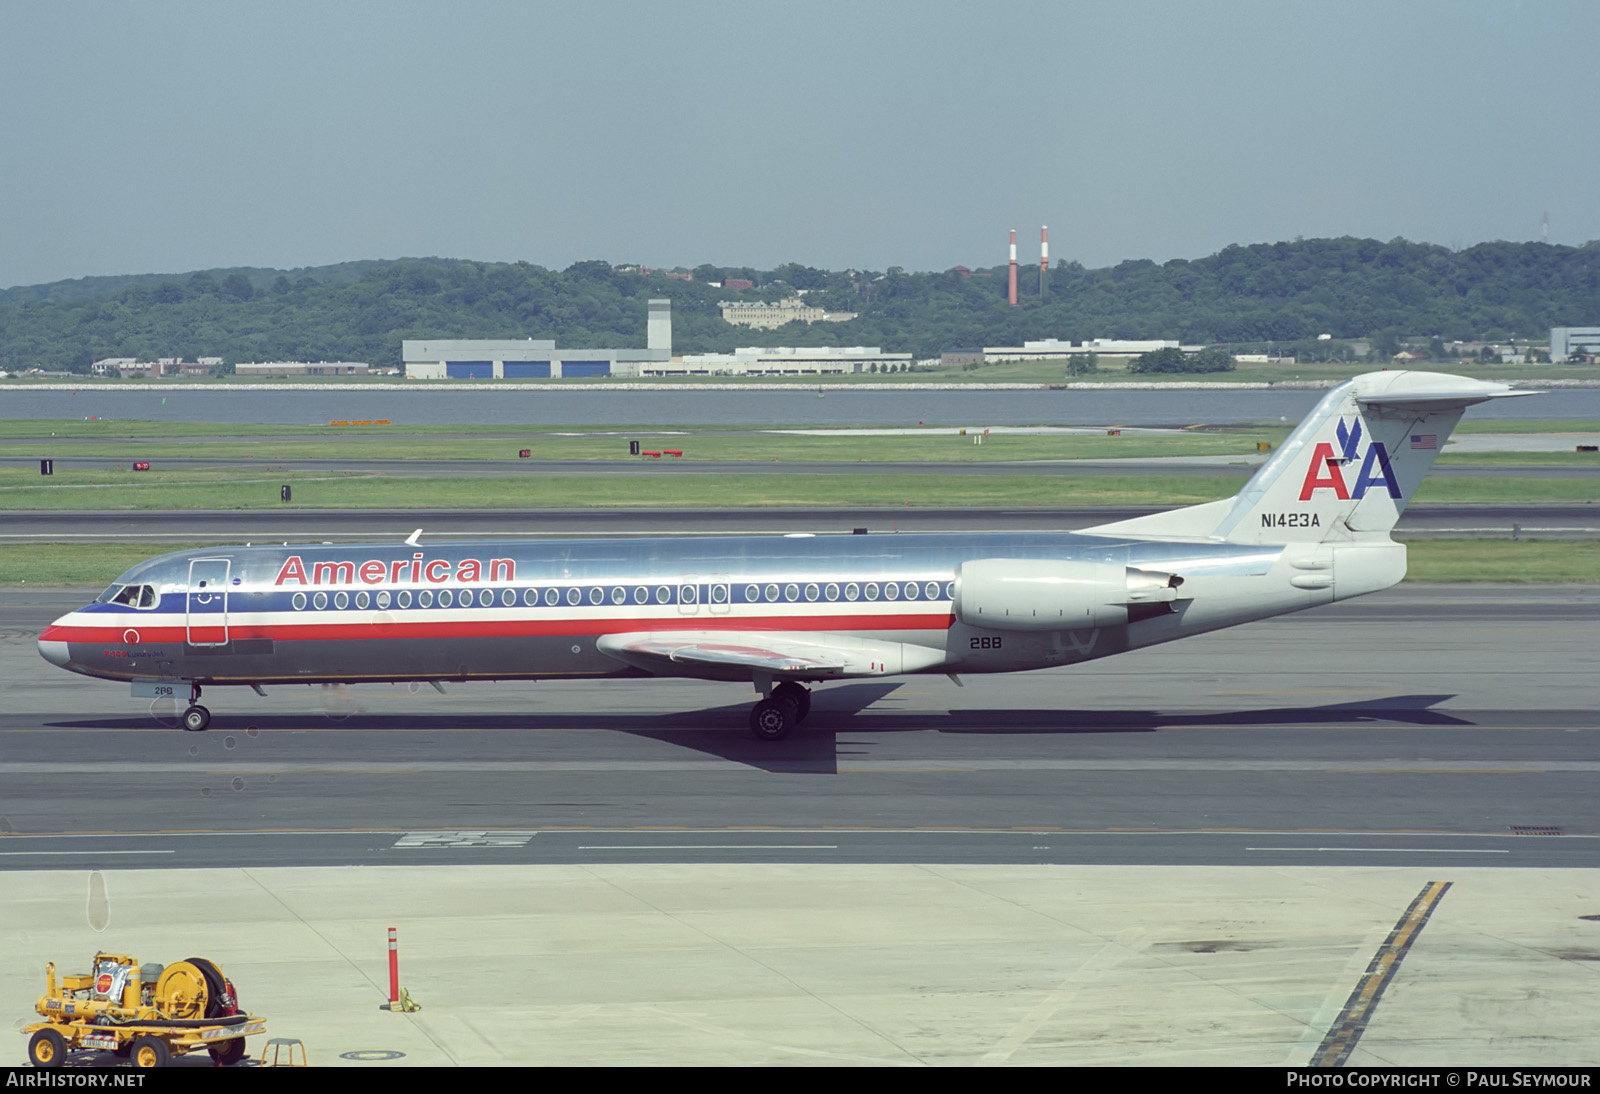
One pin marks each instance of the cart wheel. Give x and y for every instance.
(228, 1054)
(150, 1051)
(46, 1049)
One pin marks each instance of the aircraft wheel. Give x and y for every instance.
(772, 719)
(150, 1051)
(227, 1054)
(47, 1048)
(800, 696)
(196, 718)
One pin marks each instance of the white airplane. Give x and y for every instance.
(781, 612)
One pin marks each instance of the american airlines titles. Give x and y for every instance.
(399, 571)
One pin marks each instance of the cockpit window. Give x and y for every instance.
(133, 596)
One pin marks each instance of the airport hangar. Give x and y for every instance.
(532, 358)
(528, 358)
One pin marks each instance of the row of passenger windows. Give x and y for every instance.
(639, 594)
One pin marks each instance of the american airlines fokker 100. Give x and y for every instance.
(1312, 526)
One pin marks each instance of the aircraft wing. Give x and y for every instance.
(740, 655)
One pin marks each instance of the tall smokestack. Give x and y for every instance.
(1013, 289)
(1044, 256)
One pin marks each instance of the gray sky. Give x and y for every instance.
(164, 137)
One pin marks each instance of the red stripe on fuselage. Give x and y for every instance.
(509, 628)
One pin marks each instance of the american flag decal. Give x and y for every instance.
(1425, 440)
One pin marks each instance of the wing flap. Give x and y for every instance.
(783, 654)
(701, 652)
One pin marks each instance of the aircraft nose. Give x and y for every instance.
(51, 648)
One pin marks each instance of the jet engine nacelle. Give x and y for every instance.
(1025, 594)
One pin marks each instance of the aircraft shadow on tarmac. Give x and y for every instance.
(837, 712)
(818, 743)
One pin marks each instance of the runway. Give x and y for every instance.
(1425, 725)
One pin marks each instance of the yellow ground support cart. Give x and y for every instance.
(146, 1012)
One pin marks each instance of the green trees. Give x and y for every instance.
(1165, 359)
(1173, 359)
(1277, 297)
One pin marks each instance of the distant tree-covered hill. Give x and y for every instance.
(1287, 293)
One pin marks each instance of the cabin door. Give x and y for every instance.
(206, 614)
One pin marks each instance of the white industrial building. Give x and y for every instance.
(1566, 341)
(764, 316)
(531, 358)
(784, 361)
(1051, 349)
(301, 368)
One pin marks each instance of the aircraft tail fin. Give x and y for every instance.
(1347, 471)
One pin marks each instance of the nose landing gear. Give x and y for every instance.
(196, 717)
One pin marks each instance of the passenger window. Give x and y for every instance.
(445, 598)
(383, 599)
(485, 597)
(299, 602)
(404, 599)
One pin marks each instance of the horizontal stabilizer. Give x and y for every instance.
(1346, 472)
(1427, 391)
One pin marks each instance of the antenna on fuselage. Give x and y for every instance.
(411, 540)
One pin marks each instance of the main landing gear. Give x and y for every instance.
(775, 717)
(196, 718)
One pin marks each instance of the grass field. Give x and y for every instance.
(128, 441)
(933, 447)
(654, 484)
(199, 489)
(1430, 560)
